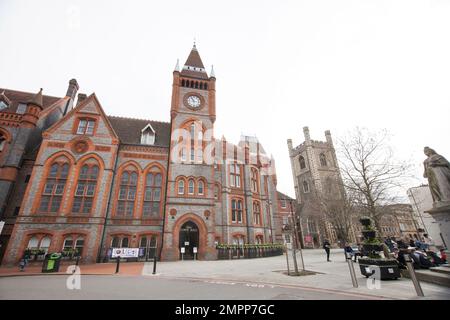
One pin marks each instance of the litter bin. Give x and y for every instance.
(51, 262)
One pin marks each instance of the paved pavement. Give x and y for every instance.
(142, 288)
(333, 276)
(254, 278)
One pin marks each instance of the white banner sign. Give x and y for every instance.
(2, 223)
(182, 250)
(125, 252)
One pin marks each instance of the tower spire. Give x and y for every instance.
(212, 74)
(193, 67)
(177, 67)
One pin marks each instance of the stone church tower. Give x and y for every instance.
(316, 175)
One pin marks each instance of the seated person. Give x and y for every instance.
(424, 261)
(349, 253)
(443, 256)
(435, 259)
(400, 257)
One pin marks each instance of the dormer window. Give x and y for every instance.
(21, 108)
(4, 101)
(86, 126)
(3, 105)
(148, 135)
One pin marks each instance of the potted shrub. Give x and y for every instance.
(365, 221)
(372, 249)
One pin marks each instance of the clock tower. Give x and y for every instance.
(189, 228)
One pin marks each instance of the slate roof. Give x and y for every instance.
(194, 63)
(17, 97)
(129, 130)
(283, 196)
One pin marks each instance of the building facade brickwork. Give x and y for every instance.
(99, 182)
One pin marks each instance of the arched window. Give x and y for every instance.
(323, 160)
(235, 175)
(201, 187)
(259, 239)
(182, 83)
(85, 191)
(256, 213)
(73, 246)
(192, 142)
(38, 247)
(196, 84)
(192, 84)
(127, 193)
(236, 211)
(33, 243)
(255, 180)
(302, 162)
(201, 85)
(152, 196)
(2, 141)
(115, 242)
(54, 188)
(238, 240)
(191, 186)
(206, 86)
(187, 83)
(119, 242)
(149, 245)
(68, 244)
(45, 243)
(216, 192)
(181, 187)
(305, 186)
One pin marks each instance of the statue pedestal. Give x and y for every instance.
(441, 214)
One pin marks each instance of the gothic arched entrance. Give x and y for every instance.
(188, 239)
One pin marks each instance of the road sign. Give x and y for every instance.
(182, 250)
(195, 249)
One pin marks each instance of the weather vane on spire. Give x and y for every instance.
(194, 43)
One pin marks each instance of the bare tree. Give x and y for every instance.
(340, 213)
(370, 171)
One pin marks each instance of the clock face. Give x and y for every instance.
(193, 101)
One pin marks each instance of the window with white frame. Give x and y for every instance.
(148, 135)
(86, 126)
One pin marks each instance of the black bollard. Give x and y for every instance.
(118, 264)
(154, 263)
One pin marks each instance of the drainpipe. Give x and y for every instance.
(166, 192)
(246, 202)
(99, 255)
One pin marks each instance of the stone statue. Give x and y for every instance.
(437, 170)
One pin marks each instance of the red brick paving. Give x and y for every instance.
(126, 268)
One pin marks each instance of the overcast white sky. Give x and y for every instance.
(280, 65)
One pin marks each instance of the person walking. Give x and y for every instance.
(326, 246)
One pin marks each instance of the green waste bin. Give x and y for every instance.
(51, 262)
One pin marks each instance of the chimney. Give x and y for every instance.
(81, 98)
(72, 89)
